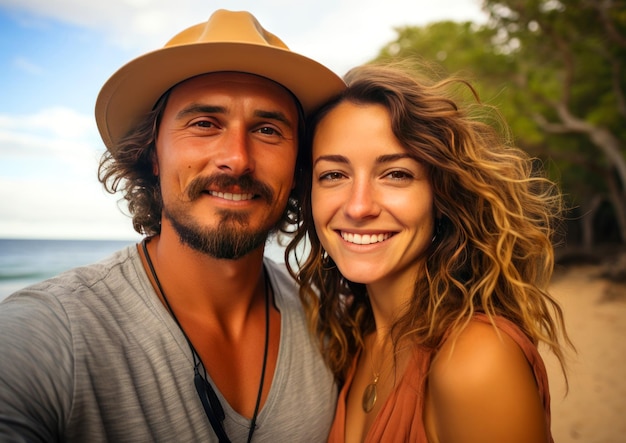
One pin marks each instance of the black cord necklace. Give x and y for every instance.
(210, 402)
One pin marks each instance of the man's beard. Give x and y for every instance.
(232, 238)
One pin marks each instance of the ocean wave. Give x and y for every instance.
(23, 275)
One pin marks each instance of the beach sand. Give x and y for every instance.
(595, 315)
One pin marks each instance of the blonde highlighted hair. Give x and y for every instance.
(497, 213)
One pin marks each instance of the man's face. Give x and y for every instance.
(226, 154)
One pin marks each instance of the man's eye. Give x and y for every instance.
(204, 124)
(267, 130)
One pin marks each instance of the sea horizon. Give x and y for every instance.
(25, 261)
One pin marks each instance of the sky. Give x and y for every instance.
(56, 54)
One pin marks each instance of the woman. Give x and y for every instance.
(430, 257)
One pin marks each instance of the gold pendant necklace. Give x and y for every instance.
(370, 395)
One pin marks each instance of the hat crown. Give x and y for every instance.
(228, 26)
(227, 42)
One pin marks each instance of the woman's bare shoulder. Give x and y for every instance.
(482, 388)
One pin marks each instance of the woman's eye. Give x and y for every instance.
(330, 176)
(400, 175)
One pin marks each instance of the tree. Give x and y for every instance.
(555, 69)
(571, 64)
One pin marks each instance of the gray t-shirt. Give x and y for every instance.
(92, 355)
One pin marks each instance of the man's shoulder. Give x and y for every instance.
(81, 301)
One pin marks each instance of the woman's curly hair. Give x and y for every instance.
(493, 250)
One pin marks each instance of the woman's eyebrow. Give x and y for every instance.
(387, 158)
(331, 158)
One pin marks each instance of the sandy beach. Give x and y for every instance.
(595, 315)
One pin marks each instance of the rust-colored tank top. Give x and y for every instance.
(401, 417)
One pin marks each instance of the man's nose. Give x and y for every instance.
(234, 155)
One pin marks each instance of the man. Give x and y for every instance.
(191, 335)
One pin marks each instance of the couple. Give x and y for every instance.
(423, 285)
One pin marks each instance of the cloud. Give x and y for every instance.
(27, 66)
(58, 133)
(129, 23)
(48, 179)
(339, 33)
(59, 121)
(353, 31)
(60, 207)
(49, 157)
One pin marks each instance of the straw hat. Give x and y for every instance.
(228, 41)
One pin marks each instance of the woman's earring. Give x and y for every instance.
(327, 262)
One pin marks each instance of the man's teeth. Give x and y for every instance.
(231, 196)
(364, 239)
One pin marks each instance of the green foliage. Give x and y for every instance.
(533, 59)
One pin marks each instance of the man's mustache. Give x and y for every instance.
(245, 184)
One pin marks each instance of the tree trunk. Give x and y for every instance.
(618, 198)
(610, 147)
(586, 222)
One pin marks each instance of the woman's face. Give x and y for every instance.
(372, 202)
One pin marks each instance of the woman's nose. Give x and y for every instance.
(362, 201)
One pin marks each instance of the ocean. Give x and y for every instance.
(23, 262)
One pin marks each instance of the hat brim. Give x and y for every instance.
(134, 89)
